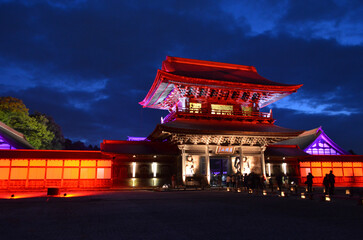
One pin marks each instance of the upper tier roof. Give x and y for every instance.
(180, 77)
(215, 71)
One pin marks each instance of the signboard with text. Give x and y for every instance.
(225, 149)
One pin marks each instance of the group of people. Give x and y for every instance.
(328, 182)
(249, 181)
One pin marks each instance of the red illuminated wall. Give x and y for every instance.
(346, 173)
(32, 173)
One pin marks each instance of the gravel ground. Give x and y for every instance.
(179, 215)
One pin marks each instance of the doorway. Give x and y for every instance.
(218, 170)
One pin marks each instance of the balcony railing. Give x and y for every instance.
(213, 113)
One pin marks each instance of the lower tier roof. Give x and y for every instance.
(215, 127)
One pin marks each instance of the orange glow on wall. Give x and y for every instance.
(55, 163)
(19, 163)
(358, 172)
(19, 173)
(305, 164)
(326, 164)
(337, 164)
(357, 164)
(348, 172)
(316, 172)
(4, 173)
(4, 162)
(54, 173)
(103, 173)
(316, 164)
(71, 163)
(338, 172)
(305, 171)
(88, 173)
(70, 173)
(36, 173)
(88, 163)
(41, 169)
(37, 163)
(326, 171)
(104, 163)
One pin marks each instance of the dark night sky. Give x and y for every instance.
(89, 63)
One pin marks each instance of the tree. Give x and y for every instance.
(58, 141)
(15, 114)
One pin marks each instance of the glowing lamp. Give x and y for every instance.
(250, 191)
(154, 156)
(292, 189)
(264, 192)
(133, 169)
(347, 191)
(327, 198)
(239, 190)
(283, 194)
(154, 168)
(303, 195)
(228, 189)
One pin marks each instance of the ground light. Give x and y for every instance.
(239, 190)
(250, 191)
(327, 198)
(303, 195)
(282, 194)
(347, 191)
(264, 192)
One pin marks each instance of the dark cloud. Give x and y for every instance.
(89, 63)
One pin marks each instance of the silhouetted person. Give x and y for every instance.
(326, 183)
(331, 177)
(173, 180)
(233, 180)
(279, 181)
(245, 181)
(309, 182)
(271, 184)
(219, 182)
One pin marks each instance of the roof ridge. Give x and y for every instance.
(12, 130)
(210, 63)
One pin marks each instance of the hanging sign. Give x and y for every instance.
(225, 149)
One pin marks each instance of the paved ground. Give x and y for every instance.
(179, 215)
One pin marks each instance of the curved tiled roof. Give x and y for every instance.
(211, 127)
(13, 137)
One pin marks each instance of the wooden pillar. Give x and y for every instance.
(207, 163)
(263, 162)
(241, 158)
(183, 163)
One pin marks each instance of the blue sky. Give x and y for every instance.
(89, 63)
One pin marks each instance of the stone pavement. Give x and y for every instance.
(179, 215)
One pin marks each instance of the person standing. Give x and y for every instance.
(326, 183)
(279, 182)
(173, 179)
(331, 182)
(309, 182)
(228, 181)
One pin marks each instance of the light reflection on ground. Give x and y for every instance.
(69, 194)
